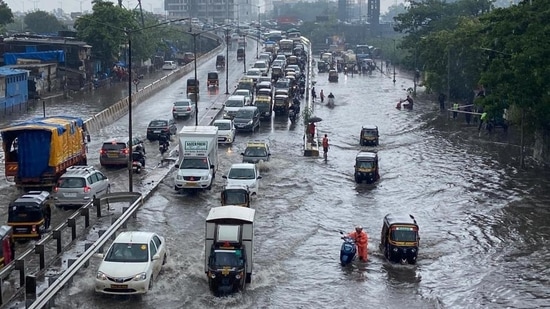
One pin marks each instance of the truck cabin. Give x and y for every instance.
(7, 245)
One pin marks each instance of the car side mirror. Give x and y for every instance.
(224, 177)
(268, 154)
(212, 166)
(156, 257)
(177, 166)
(242, 153)
(259, 177)
(99, 255)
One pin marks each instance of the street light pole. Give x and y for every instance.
(130, 133)
(258, 33)
(244, 54)
(227, 61)
(196, 81)
(394, 58)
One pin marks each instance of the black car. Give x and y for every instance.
(247, 118)
(161, 126)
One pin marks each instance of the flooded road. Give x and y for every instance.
(484, 224)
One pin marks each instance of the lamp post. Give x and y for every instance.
(394, 58)
(258, 33)
(244, 54)
(227, 60)
(196, 81)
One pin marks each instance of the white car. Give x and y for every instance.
(226, 130)
(244, 174)
(131, 264)
(247, 95)
(254, 74)
(169, 65)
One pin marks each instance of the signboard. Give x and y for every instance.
(196, 145)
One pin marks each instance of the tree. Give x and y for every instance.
(6, 15)
(42, 22)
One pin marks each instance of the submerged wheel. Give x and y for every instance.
(358, 179)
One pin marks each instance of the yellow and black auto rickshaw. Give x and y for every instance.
(192, 86)
(281, 105)
(399, 239)
(212, 79)
(366, 167)
(7, 245)
(333, 76)
(265, 105)
(30, 215)
(220, 62)
(240, 53)
(236, 195)
(369, 135)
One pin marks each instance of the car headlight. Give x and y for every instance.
(395, 249)
(140, 277)
(179, 177)
(238, 276)
(249, 123)
(101, 276)
(212, 275)
(413, 250)
(204, 177)
(228, 139)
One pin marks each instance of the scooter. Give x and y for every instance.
(330, 102)
(348, 250)
(163, 147)
(136, 167)
(138, 161)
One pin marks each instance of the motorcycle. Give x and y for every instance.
(163, 147)
(348, 250)
(330, 101)
(138, 161)
(292, 115)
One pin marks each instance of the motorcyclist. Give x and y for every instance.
(409, 102)
(361, 241)
(330, 96)
(163, 143)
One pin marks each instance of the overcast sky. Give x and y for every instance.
(75, 5)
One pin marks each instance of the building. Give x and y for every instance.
(14, 91)
(214, 11)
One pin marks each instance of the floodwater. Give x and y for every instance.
(484, 223)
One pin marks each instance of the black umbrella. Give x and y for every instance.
(314, 119)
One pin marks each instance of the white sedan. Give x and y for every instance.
(244, 174)
(131, 264)
(226, 130)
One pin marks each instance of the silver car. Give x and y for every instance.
(79, 185)
(183, 108)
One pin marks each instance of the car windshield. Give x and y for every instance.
(403, 234)
(365, 164)
(235, 197)
(241, 173)
(227, 258)
(128, 253)
(244, 114)
(255, 152)
(234, 103)
(281, 84)
(71, 182)
(260, 65)
(223, 125)
(254, 73)
(182, 103)
(158, 123)
(243, 93)
(194, 163)
(369, 133)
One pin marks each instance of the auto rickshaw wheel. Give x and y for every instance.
(358, 179)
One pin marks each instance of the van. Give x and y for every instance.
(232, 105)
(240, 53)
(247, 119)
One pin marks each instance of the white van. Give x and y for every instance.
(232, 105)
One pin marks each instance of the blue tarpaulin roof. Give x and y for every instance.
(46, 56)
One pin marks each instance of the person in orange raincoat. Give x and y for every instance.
(361, 240)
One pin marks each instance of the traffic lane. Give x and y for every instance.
(157, 106)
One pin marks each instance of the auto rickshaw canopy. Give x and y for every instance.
(212, 75)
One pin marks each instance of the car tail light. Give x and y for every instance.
(125, 151)
(102, 151)
(55, 189)
(87, 189)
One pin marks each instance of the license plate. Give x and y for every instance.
(21, 229)
(156, 131)
(112, 154)
(119, 286)
(191, 184)
(69, 194)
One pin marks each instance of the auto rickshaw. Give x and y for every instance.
(212, 79)
(30, 215)
(220, 62)
(246, 83)
(192, 86)
(7, 246)
(281, 105)
(276, 73)
(333, 76)
(292, 60)
(322, 67)
(236, 195)
(369, 135)
(240, 53)
(264, 92)
(366, 167)
(399, 238)
(265, 105)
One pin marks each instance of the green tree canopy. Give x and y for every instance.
(42, 22)
(6, 15)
